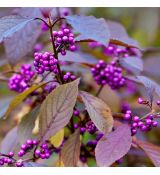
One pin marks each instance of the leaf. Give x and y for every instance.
(10, 141)
(119, 36)
(56, 110)
(11, 24)
(99, 112)
(19, 98)
(151, 66)
(25, 38)
(57, 139)
(150, 85)
(113, 146)
(78, 58)
(33, 164)
(4, 103)
(133, 64)
(90, 28)
(71, 150)
(26, 126)
(152, 151)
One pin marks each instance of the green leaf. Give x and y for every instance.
(71, 150)
(57, 109)
(19, 98)
(26, 125)
(57, 139)
(99, 112)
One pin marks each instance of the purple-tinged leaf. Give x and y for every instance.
(56, 110)
(152, 151)
(133, 64)
(26, 126)
(150, 85)
(113, 146)
(10, 141)
(78, 58)
(33, 164)
(151, 66)
(25, 38)
(11, 24)
(90, 27)
(71, 150)
(99, 112)
(4, 103)
(119, 35)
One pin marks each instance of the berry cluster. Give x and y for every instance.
(116, 51)
(90, 127)
(108, 74)
(20, 81)
(64, 39)
(45, 62)
(6, 160)
(144, 124)
(69, 77)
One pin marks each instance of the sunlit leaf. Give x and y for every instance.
(57, 139)
(99, 112)
(56, 110)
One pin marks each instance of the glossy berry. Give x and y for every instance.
(20, 81)
(108, 74)
(64, 40)
(90, 127)
(45, 62)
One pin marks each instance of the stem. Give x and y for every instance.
(99, 90)
(54, 49)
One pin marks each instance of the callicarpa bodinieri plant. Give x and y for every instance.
(62, 71)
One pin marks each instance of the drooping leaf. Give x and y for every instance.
(57, 139)
(11, 24)
(19, 98)
(71, 150)
(133, 64)
(119, 36)
(78, 58)
(26, 126)
(113, 146)
(150, 85)
(56, 110)
(99, 112)
(90, 27)
(33, 164)
(4, 103)
(10, 141)
(152, 151)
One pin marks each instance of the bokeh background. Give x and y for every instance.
(142, 24)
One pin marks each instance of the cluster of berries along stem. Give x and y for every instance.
(45, 62)
(64, 40)
(116, 51)
(20, 81)
(38, 150)
(110, 74)
(145, 123)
